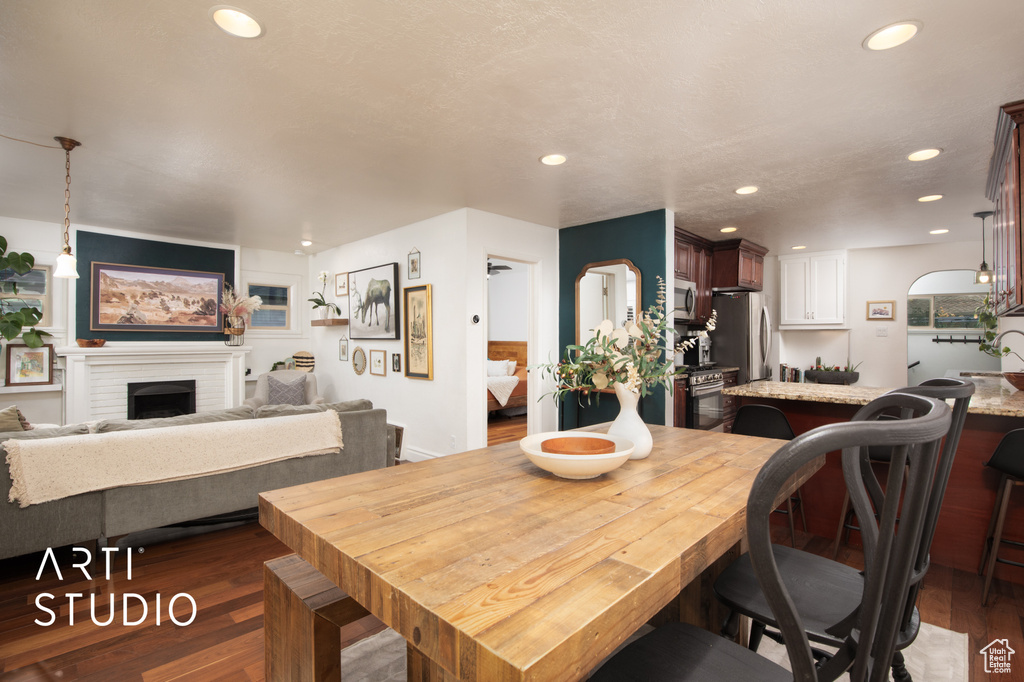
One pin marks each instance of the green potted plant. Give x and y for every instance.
(833, 374)
(319, 302)
(15, 321)
(989, 345)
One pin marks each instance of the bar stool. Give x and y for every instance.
(1008, 460)
(770, 422)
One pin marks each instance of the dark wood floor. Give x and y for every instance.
(223, 572)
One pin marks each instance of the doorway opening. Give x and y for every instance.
(943, 332)
(508, 327)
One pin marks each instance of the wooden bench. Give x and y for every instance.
(303, 615)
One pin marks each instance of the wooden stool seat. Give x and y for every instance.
(303, 616)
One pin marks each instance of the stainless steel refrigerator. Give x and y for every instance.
(743, 334)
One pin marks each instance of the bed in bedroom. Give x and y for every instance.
(506, 351)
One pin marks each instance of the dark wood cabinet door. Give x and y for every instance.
(738, 266)
(1005, 191)
(684, 260)
(679, 402)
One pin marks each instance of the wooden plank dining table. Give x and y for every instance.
(494, 569)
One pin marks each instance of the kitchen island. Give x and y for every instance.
(995, 408)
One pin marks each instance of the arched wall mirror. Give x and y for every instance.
(942, 326)
(608, 290)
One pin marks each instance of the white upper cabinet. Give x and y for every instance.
(813, 289)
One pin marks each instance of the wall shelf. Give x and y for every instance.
(41, 388)
(333, 322)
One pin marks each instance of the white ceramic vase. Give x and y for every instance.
(629, 424)
(326, 312)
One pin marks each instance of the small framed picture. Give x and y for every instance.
(396, 362)
(341, 284)
(881, 310)
(377, 363)
(29, 366)
(414, 265)
(343, 349)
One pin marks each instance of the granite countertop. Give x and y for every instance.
(992, 396)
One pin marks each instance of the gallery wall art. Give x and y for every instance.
(373, 303)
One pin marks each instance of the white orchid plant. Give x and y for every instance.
(318, 299)
(637, 355)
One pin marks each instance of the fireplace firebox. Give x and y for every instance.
(152, 399)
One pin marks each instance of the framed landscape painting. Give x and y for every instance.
(140, 298)
(419, 342)
(373, 310)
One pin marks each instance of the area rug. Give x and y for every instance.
(938, 655)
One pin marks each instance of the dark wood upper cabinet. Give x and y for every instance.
(1005, 192)
(693, 262)
(738, 265)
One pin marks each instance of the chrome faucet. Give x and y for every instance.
(1002, 334)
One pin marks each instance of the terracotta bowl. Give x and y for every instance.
(578, 446)
(584, 463)
(90, 343)
(1016, 379)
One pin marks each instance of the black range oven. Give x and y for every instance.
(704, 400)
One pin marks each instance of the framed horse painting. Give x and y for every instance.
(373, 308)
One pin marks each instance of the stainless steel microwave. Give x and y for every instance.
(685, 301)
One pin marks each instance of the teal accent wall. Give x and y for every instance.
(641, 239)
(107, 248)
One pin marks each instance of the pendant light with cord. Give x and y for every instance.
(983, 275)
(67, 265)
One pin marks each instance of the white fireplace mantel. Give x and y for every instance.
(96, 379)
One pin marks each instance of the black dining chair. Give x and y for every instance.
(824, 591)
(868, 634)
(771, 422)
(1008, 460)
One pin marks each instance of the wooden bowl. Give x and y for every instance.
(583, 462)
(90, 343)
(1016, 379)
(578, 446)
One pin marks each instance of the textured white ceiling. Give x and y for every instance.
(352, 117)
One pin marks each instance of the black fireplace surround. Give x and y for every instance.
(152, 399)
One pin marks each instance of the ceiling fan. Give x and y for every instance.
(495, 269)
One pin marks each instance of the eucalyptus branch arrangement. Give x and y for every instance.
(637, 355)
(24, 319)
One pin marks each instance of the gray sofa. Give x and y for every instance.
(369, 443)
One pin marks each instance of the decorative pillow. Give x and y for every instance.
(9, 419)
(511, 367)
(286, 392)
(497, 368)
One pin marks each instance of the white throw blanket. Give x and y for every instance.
(52, 468)
(501, 387)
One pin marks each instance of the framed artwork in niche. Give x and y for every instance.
(419, 343)
(373, 303)
(29, 366)
(144, 299)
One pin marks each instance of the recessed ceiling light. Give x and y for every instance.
(299, 252)
(749, 189)
(728, 229)
(306, 242)
(924, 154)
(797, 248)
(892, 35)
(235, 21)
(930, 197)
(552, 160)
(942, 231)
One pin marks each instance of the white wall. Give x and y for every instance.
(882, 274)
(507, 296)
(447, 414)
